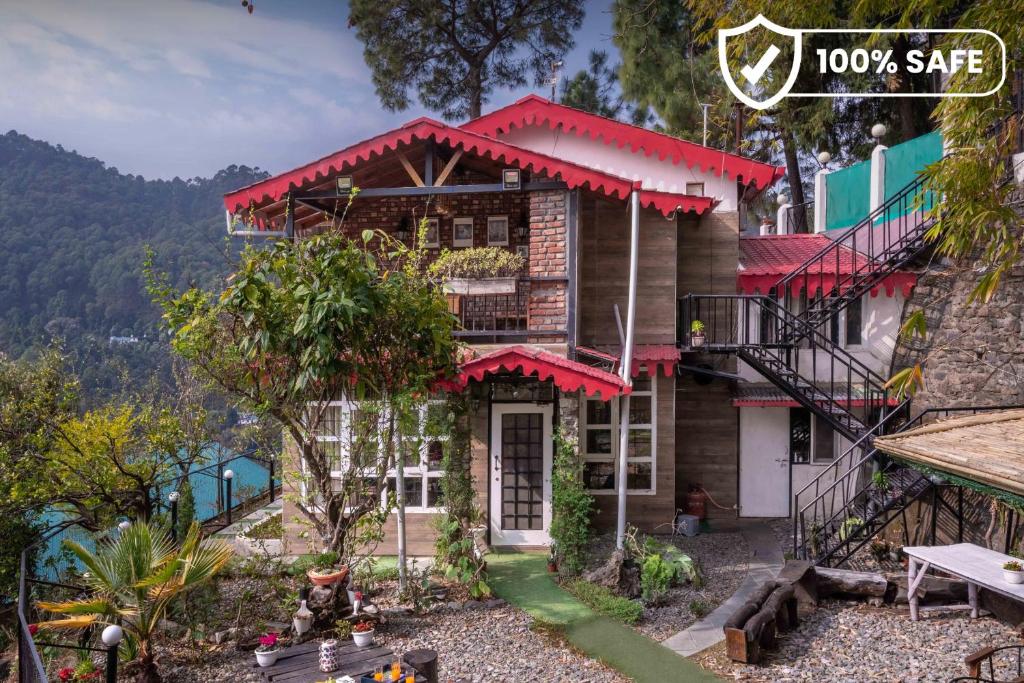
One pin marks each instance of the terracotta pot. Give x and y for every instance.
(327, 579)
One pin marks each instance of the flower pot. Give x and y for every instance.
(328, 655)
(697, 340)
(484, 285)
(268, 658)
(363, 638)
(327, 578)
(1010, 576)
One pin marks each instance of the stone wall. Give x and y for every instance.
(974, 352)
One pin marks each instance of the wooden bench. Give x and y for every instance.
(301, 663)
(770, 610)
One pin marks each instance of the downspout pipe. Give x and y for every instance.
(626, 365)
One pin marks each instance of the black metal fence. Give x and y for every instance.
(47, 571)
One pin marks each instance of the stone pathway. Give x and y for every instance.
(765, 562)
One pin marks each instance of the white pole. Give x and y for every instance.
(626, 366)
(705, 108)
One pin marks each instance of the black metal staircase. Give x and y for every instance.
(790, 343)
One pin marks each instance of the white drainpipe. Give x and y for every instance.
(626, 366)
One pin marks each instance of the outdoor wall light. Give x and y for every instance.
(878, 131)
(344, 184)
(229, 474)
(173, 496)
(511, 179)
(824, 158)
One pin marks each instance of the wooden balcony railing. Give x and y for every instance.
(493, 315)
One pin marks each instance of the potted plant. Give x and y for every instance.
(268, 650)
(697, 337)
(325, 570)
(478, 270)
(1013, 572)
(362, 633)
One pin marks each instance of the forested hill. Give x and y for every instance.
(75, 234)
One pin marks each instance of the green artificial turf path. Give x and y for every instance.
(522, 579)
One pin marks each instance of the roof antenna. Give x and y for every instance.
(556, 72)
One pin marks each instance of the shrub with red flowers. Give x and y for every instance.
(363, 627)
(268, 643)
(33, 629)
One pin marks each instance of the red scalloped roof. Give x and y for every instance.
(535, 110)
(422, 129)
(767, 259)
(567, 375)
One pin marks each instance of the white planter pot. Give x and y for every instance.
(267, 658)
(487, 285)
(1010, 576)
(363, 639)
(697, 340)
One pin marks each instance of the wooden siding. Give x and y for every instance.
(604, 274)
(651, 512)
(707, 426)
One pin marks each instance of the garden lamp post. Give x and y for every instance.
(123, 526)
(173, 497)
(228, 476)
(111, 637)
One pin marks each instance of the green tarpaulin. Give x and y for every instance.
(847, 196)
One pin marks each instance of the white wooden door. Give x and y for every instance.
(520, 472)
(764, 462)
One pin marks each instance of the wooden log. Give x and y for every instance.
(846, 582)
(737, 647)
(802, 576)
(760, 629)
(778, 603)
(425, 663)
(741, 643)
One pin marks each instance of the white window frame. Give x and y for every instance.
(435, 223)
(420, 470)
(495, 220)
(813, 453)
(456, 224)
(614, 428)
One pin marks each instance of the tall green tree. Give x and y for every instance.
(302, 324)
(596, 90)
(452, 54)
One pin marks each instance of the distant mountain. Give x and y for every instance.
(75, 233)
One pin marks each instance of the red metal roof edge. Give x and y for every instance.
(534, 109)
(763, 283)
(574, 175)
(568, 375)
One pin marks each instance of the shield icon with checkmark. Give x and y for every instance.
(765, 80)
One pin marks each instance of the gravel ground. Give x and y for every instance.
(841, 641)
(493, 644)
(723, 558)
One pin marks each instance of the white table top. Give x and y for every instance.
(971, 562)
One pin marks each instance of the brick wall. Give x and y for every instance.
(548, 264)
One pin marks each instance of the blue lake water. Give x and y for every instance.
(251, 478)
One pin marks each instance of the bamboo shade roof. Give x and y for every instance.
(987, 448)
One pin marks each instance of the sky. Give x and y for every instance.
(167, 88)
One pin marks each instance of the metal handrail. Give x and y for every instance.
(842, 483)
(769, 350)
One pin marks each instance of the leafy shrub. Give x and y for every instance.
(699, 608)
(656, 577)
(570, 507)
(603, 601)
(476, 262)
(271, 527)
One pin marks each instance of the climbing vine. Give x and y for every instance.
(570, 506)
(455, 551)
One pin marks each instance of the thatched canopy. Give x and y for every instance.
(987, 448)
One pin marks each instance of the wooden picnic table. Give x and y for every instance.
(976, 565)
(301, 663)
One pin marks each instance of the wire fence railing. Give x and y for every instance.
(221, 492)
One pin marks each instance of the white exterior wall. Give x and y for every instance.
(655, 174)
(764, 439)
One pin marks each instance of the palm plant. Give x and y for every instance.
(133, 580)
